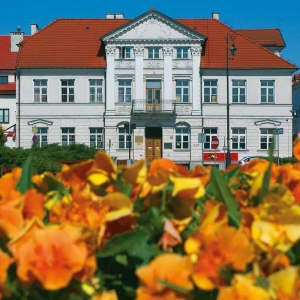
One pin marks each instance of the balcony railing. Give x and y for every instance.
(143, 106)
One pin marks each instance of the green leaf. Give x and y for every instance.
(134, 243)
(265, 184)
(25, 182)
(222, 192)
(174, 287)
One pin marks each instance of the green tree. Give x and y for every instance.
(2, 136)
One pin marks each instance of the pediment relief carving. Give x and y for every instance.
(153, 26)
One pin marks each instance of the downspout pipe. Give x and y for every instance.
(19, 107)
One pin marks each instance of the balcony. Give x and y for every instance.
(142, 107)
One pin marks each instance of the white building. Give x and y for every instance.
(87, 80)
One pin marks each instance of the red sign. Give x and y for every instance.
(219, 156)
(214, 142)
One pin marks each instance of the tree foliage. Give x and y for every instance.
(2, 136)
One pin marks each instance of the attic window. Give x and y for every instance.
(3, 79)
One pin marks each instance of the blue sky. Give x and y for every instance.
(235, 13)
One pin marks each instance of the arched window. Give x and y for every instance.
(182, 136)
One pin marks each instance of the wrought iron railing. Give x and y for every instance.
(155, 106)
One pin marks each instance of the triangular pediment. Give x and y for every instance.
(153, 25)
(267, 121)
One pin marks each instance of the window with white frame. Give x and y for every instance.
(238, 138)
(266, 138)
(267, 91)
(124, 138)
(182, 91)
(67, 90)
(182, 138)
(96, 137)
(153, 52)
(238, 91)
(40, 90)
(182, 52)
(3, 79)
(4, 115)
(125, 52)
(209, 133)
(124, 90)
(96, 90)
(41, 136)
(211, 91)
(67, 136)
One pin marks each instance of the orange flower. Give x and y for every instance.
(109, 295)
(51, 256)
(164, 165)
(172, 268)
(296, 149)
(11, 220)
(5, 262)
(243, 288)
(33, 204)
(217, 249)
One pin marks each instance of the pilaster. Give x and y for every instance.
(139, 69)
(196, 100)
(168, 84)
(110, 80)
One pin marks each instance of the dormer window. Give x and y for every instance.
(182, 53)
(3, 79)
(125, 52)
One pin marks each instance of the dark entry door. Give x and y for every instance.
(153, 143)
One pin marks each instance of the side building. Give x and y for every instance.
(154, 87)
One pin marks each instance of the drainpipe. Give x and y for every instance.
(19, 108)
(104, 130)
(201, 106)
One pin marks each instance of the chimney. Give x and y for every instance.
(34, 28)
(15, 39)
(114, 16)
(215, 15)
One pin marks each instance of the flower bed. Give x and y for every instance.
(97, 231)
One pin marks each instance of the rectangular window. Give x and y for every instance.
(96, 138)
(67, 90)
(42, 136)
(96, 90)
(238, 91)
(124, 138)
(40, 90)
(182, 138)
(238, 138)
(209, 133)
(4, 115)
(210, 91)
(125, 52)
(125, 91)
(266, 138)
(67, 136)
(267, 91)
(3, 79)
(153, 52)
(182, 91)
(182, 52)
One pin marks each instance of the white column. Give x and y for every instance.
(110, 80)
(168, 84)
(196, 100)
(139, 69)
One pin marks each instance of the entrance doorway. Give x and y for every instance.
(153, 136)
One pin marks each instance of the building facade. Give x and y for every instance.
(154, 87)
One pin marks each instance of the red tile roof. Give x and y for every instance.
(264, 37)
(8, 88)
(7, 58)
(74, 43)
